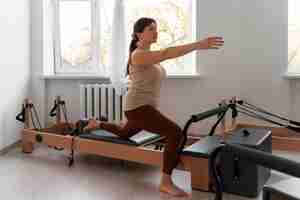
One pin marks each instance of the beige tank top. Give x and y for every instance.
(144, 86)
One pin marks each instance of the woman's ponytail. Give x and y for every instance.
(132, 47)
(138, 27)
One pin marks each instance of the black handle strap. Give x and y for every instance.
(21, 116)
(236, 169)
(212, 130)
(53, 110)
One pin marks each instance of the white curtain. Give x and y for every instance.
(48, 37)
(118, 60)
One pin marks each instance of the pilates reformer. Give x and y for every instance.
(69, 137)
(143, 147)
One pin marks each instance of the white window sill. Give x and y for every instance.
(93, 77)
(291, 76)
(73, 77)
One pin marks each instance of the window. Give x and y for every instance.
(175, 27)
(75, 38)
(294, 36)
(83, 32)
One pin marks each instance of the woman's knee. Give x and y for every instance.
(175, 134)
(179, 132)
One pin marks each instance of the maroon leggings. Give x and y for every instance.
(149, 119)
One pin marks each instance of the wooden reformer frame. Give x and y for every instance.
(197, 166)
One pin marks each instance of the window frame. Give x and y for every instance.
(291, 71)
(90, 67)
(96, 68)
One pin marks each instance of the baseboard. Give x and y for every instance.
(10, 147)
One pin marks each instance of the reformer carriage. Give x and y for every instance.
(146, 148)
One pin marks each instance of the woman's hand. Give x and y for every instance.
(210, 43)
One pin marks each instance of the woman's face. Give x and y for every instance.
(149, 35)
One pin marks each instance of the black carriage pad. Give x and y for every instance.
(141, 138)
(204, 147)
(283, 190)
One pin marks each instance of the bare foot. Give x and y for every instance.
(173, 190)
(167, 186)
(92, 125)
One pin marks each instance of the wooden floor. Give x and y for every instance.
(44, 175)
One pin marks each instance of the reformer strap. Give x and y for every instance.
(33, 113)
(64, 108)
(21, 116)
(212, 130)
(56, 105)
(36, 117)
(232, 106)
(53, 111)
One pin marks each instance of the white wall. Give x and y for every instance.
(15, 66)
(250, 65)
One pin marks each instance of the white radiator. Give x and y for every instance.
(101, 100)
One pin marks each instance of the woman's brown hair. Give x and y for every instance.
(138, 27)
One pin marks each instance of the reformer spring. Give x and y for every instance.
(258, 113)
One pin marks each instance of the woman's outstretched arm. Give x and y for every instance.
(153, 57)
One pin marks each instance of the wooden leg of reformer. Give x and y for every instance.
(200, 174)
(27, 146)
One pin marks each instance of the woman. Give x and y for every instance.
(146, 75)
